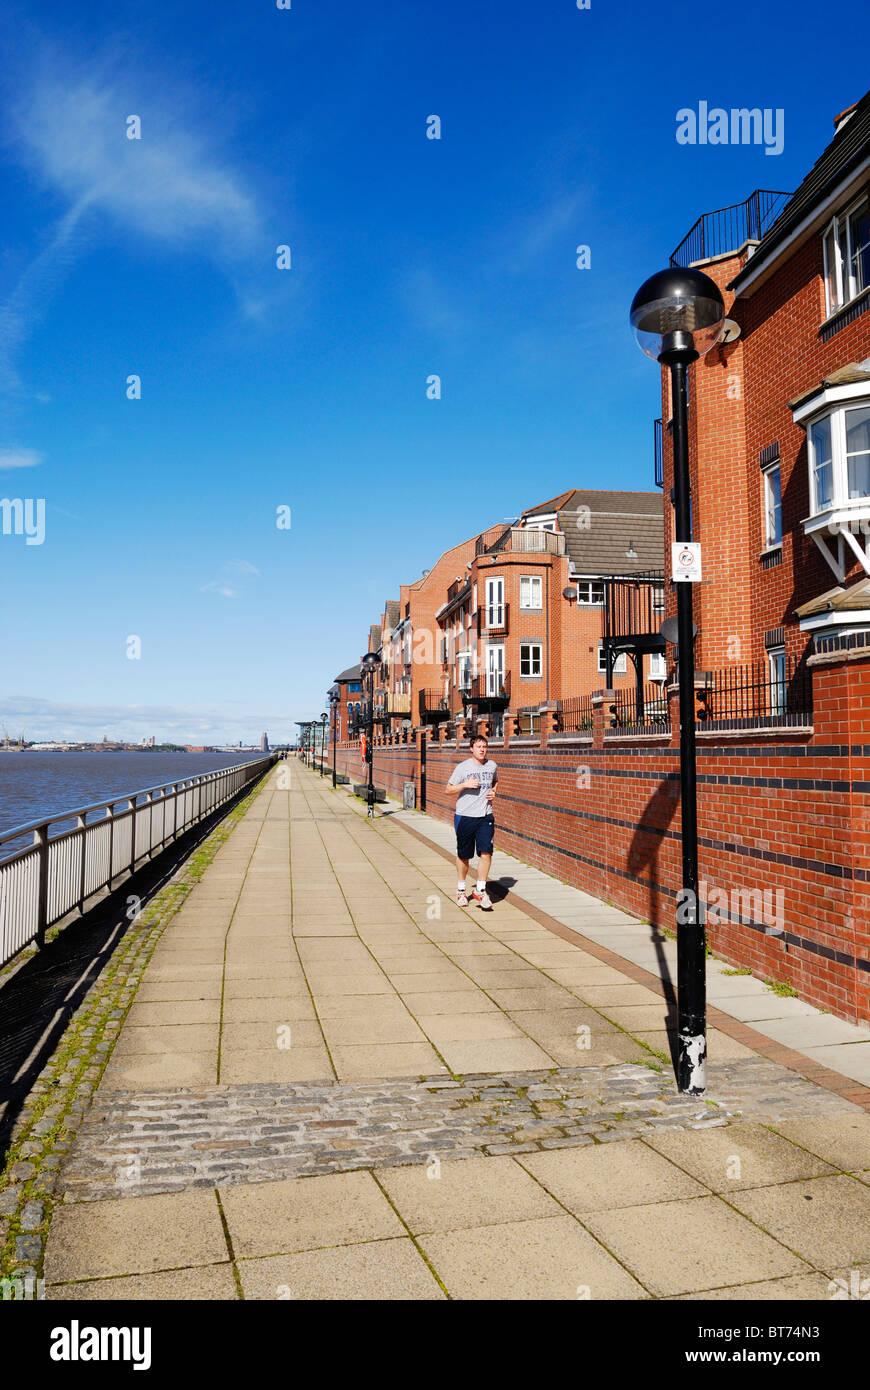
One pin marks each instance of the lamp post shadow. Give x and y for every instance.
(642, 863)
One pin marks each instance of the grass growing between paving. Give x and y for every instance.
(62, 1092)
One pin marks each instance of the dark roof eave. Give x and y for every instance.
(827, 173)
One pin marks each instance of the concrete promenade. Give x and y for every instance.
(334, 1083)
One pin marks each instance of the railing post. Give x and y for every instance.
(83, 822)
(132, 832)
(41, 838)
(111, 811)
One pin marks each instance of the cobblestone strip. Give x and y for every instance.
(135, 1143)
(55, 1107)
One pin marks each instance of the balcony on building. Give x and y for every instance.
(634, 610)
(489, 692)
(433, 707)
(727, 231)
(521, 540)
(493, 618)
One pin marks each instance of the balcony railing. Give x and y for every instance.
(523, 540)
(493, 617)
(727, 229)
(753, 697)
(62, 866)
(490, 688)
(398, 703)
(634, 607)
(433, 705)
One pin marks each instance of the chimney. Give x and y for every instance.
(844, 116)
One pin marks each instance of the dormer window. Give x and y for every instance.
(846, 246)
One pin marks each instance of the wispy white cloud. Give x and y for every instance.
(19, 458)
(67, 125)
(216, 587)
(241, 567)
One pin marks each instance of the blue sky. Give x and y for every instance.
(306, 387)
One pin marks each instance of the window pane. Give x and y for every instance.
(820, 440)
(858, 451)
(859, 236)
(845, 291)
(831, 271)
(772, 483)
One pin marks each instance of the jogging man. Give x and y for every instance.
(473, 783)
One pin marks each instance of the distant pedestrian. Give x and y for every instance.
(473, 783)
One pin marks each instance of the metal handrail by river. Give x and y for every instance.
(58, 871)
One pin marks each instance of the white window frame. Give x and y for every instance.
(494, 584)
(463, 662)
(542, 523)
(777, 674)
(494, 668)
(770, 509)
(836, 417)
(845, 282)
(534, 581)
(620, 665)
(532, 675)
(591, 585)
(658, 666)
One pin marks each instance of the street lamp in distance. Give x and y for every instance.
(334, 697)
(323, 718)
(370, 664)
(677, 316)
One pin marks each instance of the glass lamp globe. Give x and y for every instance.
(677, 315)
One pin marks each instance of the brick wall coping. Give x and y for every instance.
(562, 739)
(793, 731)
(618, 736)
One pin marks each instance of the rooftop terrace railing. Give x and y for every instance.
(64, 865)
(727, 229)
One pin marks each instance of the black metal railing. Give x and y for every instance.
(58, 864)
(575, 714)
(756, 696)
(488, 688)
(634, 606)
(727, 229)
(529, 720)
(645, 710)
(493, 617)
(658, 454)
(432, 702)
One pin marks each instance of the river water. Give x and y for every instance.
(36, 786)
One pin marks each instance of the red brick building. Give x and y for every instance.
(525, 625)
(779, 417)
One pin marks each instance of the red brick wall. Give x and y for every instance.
(787, 814)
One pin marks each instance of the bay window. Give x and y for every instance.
(839, 457)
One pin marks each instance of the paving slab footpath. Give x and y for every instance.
(332, 1082)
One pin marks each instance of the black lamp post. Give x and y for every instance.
(334, 697)
(677, 316)
(370, 663)
(323, 718)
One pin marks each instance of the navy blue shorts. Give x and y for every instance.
(471, 832)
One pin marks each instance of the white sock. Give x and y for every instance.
(460, 887)
(481, 885)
